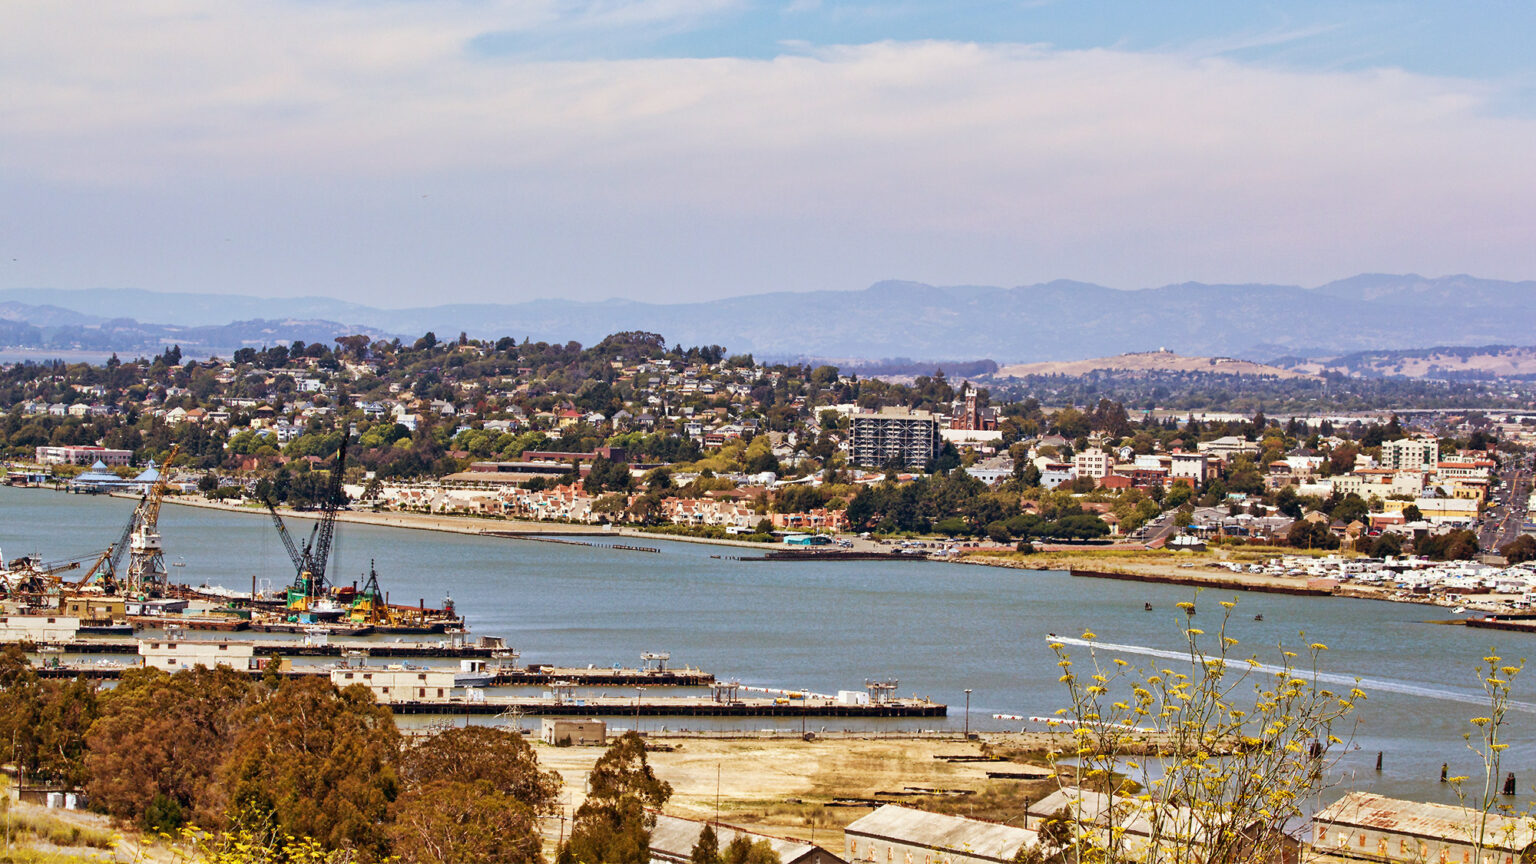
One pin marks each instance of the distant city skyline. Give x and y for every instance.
(402, 154)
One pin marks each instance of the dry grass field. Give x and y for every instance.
(810, 790)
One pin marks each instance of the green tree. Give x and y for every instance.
(707, 849)
(465, 823)
(613, 826)
(160, 738)
(1522, 548)
(481, 754)
(1311, 535)
(743, 850)
(315, 761)
(1387, 544)
(1351, 509)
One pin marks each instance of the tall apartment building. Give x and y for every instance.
(899, 435)
(1092, 462)
(1411, 454)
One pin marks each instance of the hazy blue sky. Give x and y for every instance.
(429, 151)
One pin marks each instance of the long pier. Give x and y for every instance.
(542, 677)
(1203, 581)
(677, 706)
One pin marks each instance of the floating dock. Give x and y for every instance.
(542, 677)
(676, 706)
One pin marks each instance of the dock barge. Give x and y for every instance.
(677, 706)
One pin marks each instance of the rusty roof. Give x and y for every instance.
(977, 839)
(1430, 821)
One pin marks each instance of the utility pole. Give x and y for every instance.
(967, 713)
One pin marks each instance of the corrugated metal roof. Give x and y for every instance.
(1430, 821)
(1131, 814)
(941, 831)
(673, 839)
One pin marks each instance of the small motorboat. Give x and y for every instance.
(1147, 606)
(1258, 617)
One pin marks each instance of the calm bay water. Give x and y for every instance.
(938, 628)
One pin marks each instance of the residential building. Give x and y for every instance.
(895, 435)
(1193, 467)
(1092, 462)
(1229, 446)
(1417, 454)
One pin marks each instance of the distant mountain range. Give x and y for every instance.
(1059, 320)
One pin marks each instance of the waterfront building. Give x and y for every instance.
(38, 628)
(175, 656)
(895, 435)
(83, 455)
(398, 684)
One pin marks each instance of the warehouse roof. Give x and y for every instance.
(975, 838)
(673, 839)
(1429, 821)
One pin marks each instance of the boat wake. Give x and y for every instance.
(1369, 685)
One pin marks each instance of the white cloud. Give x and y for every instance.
(1006, 162)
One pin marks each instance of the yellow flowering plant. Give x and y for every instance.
(1205, 758)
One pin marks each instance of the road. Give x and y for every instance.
(1503, 521)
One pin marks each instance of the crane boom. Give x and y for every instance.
(327, 529)
(105, 567)
(282, 531)
(146, 566)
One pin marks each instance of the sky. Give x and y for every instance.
(419, 152)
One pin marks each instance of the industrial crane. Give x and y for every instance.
(146, 559)
(105, 567)
(309, 563)
(333, 498)
(28, 575)
(294, 554)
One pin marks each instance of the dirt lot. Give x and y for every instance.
(810, 790)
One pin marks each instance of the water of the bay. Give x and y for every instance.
(937, 628)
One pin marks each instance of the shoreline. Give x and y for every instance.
(478, 526)
(1112, 565)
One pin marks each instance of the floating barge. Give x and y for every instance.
(679, 706)
(1515, 624)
